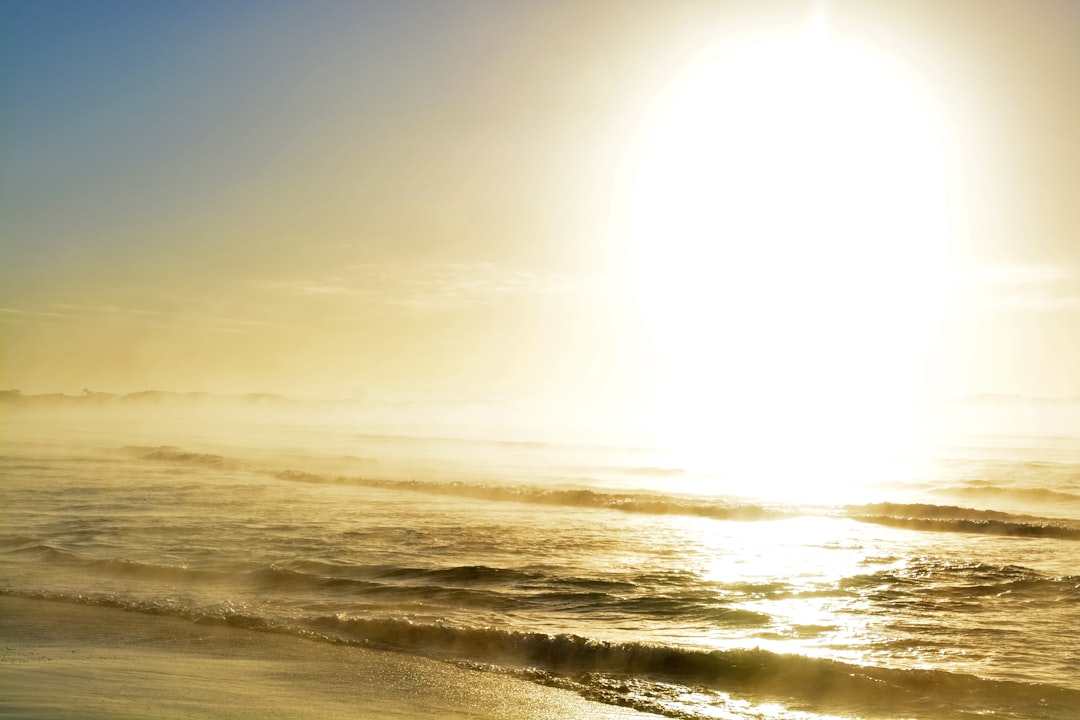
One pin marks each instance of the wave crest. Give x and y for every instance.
(950, 518)
(634, 673)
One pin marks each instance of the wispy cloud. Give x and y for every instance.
(18, 314)
(434, 286)
(66, 311)
(343, 294)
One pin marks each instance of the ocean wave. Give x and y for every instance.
(174, 454)
(328, 588)
(35, 551)
(930, 580)
(1034, 495)
(629, 502)
(644, 503)
(914, 516)
(16, 542)
(504, 590)
(132, 569)
(320, 583)
(617, 672)
(950, 518)
(592, 663)
(465, 575)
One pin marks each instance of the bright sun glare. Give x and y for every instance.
(789, 249)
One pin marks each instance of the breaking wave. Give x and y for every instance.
(950, 518)
(630, 502)
(913, 516)
(635, 674)
(1033, 495)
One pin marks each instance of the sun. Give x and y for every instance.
(789, 253)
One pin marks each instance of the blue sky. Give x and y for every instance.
(424, 198)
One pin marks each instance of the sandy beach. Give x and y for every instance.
(69, 661)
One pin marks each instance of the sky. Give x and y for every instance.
(629, 206)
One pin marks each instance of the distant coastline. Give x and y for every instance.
(142, 396)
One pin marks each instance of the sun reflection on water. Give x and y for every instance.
(792, 571)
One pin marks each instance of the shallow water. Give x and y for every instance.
(953, 594)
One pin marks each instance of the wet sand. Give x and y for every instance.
(62, 661)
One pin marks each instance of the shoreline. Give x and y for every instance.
(65, 661)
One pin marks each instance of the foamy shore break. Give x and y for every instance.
(61, 661)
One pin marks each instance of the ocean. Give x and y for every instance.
(949, 592)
